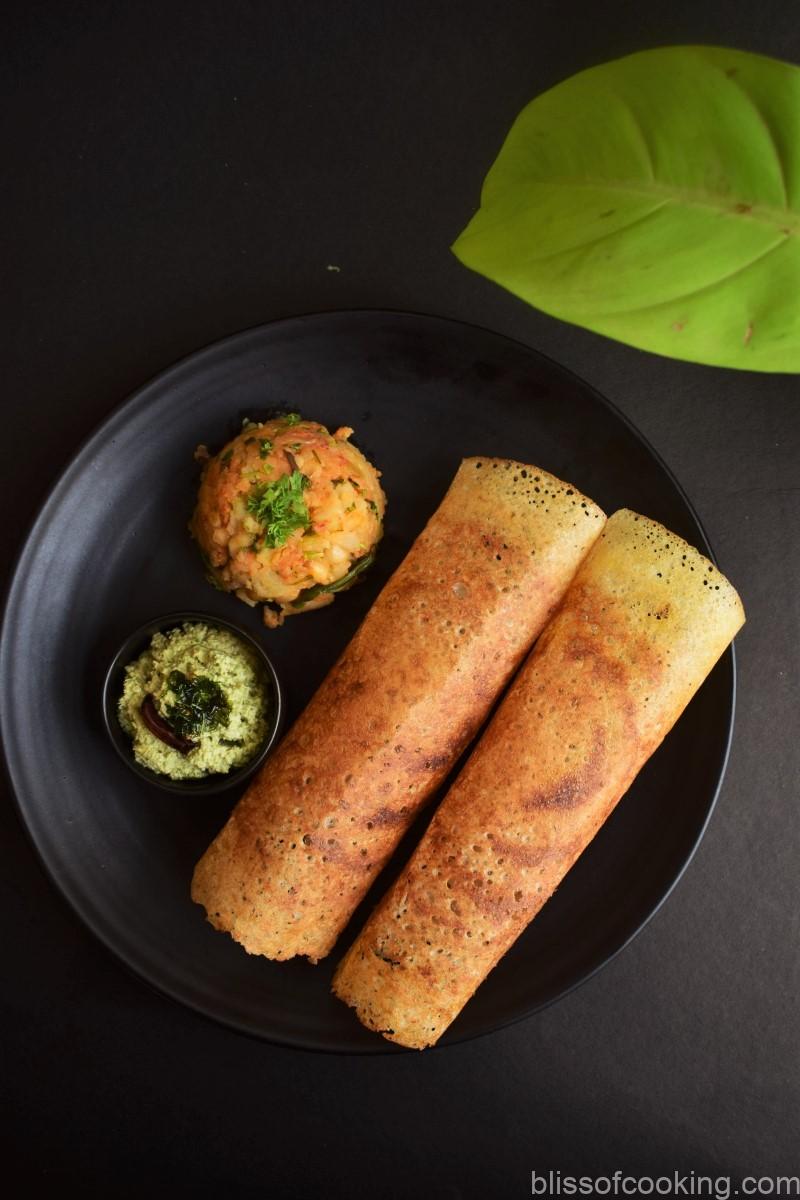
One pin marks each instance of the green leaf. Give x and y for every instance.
(340, 585)
(656, 200)
(279, 507)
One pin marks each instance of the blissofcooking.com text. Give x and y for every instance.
(554, 1183)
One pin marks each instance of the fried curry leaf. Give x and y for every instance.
(656, 199)
(200, 703)
(310, 593)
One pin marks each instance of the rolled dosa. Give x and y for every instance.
(640, 627)
(407, 695)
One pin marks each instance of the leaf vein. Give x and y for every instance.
(784, 218)
(770, 135)
(601, 237)
(762, 254)
(637, 125)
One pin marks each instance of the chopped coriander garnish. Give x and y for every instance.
(371, 504)
(292, 419)
(264, 447)
(279, 507)
(296, 446)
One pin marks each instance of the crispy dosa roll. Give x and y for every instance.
(408, 694)
(640, 627)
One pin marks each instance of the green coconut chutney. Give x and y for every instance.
(207, 690)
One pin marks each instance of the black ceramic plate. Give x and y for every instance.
(110, 550)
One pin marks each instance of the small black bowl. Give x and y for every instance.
(129, 651)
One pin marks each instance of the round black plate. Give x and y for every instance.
(110, 550)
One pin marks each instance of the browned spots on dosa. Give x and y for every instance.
(604, 669)
(331, 849)
(496, 546)
(517, 853)
(435, 762)
(605, 644)
(414, 760)
(575, 786)
(245, 833)
(497, 907)
(384, 817)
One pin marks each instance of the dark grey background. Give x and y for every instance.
(173, 173)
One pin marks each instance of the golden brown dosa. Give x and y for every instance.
(642, 624)
(410, 691)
